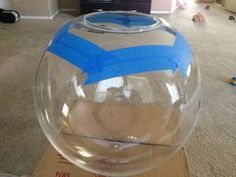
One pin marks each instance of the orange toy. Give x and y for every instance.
(198, 18)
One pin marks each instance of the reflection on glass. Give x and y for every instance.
(65, 110)
(80, 161)
(142, 86)
(78, 89)
(173, 91)
(103, 86)
(47, 117)
(83, 152)
(188, 70)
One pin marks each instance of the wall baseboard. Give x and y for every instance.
(35, 17)
(40, 17)
(160, 12)
(53, 15)
(69, 10)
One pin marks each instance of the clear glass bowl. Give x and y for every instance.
(124, 116)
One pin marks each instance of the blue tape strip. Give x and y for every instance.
(100, 64)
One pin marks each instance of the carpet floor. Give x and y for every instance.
(210, 151)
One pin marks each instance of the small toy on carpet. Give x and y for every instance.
(198, 18)
(181, 4)
(232, 80)
(207, 6)
(231, 17)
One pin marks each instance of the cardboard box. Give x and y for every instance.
(114, 122)
(53, 164)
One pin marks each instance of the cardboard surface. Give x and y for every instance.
(53, 164)
(99, 128)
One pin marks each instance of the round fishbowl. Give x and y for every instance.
(117, 93)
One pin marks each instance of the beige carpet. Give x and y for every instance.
(211, 150)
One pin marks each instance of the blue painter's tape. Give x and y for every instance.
(100, 64)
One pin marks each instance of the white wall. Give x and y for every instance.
(159, 6)
(5, 4)
(35, 8)
(53, 7)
